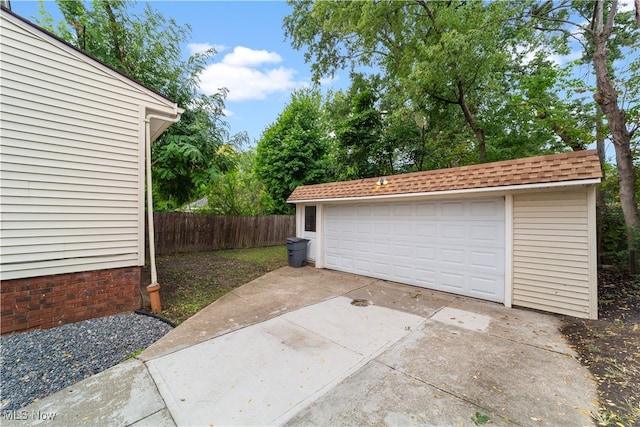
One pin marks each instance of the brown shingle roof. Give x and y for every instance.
(577, 165)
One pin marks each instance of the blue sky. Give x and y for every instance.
(254, 61)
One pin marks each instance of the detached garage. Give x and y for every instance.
(519, 232)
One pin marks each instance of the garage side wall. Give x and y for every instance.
(554, 252)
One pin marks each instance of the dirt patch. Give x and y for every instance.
(610, 348)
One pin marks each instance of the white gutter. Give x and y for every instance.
(152, 241)
(454, 192)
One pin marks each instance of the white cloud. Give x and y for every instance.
(244, 74)
(203, 47)
(245, 57)
(327, 81)
(527, 55)
(565, 59)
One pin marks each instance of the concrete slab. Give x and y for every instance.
(338, 282)
(287, 292)
(528, 385)
(250, 377)
(365, 330)
(161, 418)
(463, 319)
(379, 395)
(268, 296)
(265, 373)
(523, 325)
(410, 299)
(121, 395)
(227, 314)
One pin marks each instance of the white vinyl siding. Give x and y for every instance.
(70, 155)
(552, 252)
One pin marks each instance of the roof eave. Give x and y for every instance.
(505, 188)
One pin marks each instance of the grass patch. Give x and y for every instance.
(271, 257)
(191, 281)
(133, 354)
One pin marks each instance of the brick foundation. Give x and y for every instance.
(48, 301)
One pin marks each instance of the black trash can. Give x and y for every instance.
(297, 249)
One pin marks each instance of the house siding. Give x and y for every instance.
(71, 182)
(553, 253)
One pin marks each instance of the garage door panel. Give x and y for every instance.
(485, 260)
(483, 287)
(453, 209)
(364, 227)
(381, 268)
(333, 260)
(347, 263)
(425, 254)
(382, 228)
(402, 272)
(362, 265)
(426, 210)
(332, 246)
(347, 245)
(380, 249)
(403, 210)
(332, 227)
(402, 230)
(364, 210)
(426, 278)
(405, 252)
(452, 257)
(453, 282)
(426, 230)
(453, 232)
(348, 227)
(349, 211)
(483, 234)
(454, 246)
(364, 247)
(487, 208)
(381, 211)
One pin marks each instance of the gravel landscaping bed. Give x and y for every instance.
(38, 363)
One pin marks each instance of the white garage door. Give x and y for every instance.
(454, 246)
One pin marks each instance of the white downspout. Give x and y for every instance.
(153, 288)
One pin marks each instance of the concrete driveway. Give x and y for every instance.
(292, 348)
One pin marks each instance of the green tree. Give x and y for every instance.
(608, 35)
(357, 126)
(374, 131)
(146, 47)
(292, 151)
(425, 134)
(451, 53)
(535, 116)
(238, 191)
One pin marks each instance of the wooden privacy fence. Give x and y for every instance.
(191, 232)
